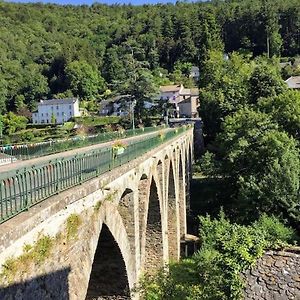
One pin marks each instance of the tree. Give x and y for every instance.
(285, 110)
(34, 86)
(256, 157)
(113, 68)
(225, 89)
(265, 81)
(270, 18)
(3, 95)
(85, 81)
(13, 123)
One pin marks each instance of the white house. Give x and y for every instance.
(293, 82)
(56, 110)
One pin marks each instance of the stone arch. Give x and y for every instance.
(111, 217)
(108, 276)
(154, 250)
(173, 216)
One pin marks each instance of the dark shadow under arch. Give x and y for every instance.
(108, 279)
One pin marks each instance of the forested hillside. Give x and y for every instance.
(52, 51)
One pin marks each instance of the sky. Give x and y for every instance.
(89, 2)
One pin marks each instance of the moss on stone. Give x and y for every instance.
(73, 223)
(33, 254)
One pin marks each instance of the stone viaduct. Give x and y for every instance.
(95, 240)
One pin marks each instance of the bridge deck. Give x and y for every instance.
(29, 151)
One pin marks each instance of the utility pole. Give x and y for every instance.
(1, 133)
(132, 107)
(268, 45)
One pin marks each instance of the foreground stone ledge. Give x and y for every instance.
(276, 276)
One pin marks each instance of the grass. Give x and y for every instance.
(97, 121)
(98, 206)
(38, 252)
(73, 223)
(68, 126)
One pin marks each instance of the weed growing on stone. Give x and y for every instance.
(41, 249)
(36, 253)
(73, 222)
(98, 206)
(10, 268)
(110, 196)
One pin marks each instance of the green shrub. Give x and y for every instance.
(275, 233)
(227, 249)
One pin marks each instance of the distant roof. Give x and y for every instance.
(57, 101)
(170, 88)
(293, 82)
(194, 91)
(191, 92)
(284, 64)
(185, 92)
(194, 69)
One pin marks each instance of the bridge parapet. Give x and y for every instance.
(22, 188)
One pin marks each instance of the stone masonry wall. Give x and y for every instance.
(276, 276)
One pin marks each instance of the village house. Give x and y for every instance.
(189, 103)
(56, 111)
(119, 105)
(293, 82)
(185, 101)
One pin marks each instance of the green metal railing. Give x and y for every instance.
(29, 151)
(22, 188)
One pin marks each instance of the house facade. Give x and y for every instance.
(185, 101)
(294, 82)
(56, 111)
(171, 93)
(189, 103)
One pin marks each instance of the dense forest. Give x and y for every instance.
(53, 51)
(250, 171)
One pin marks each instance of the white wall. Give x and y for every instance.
(62, 112)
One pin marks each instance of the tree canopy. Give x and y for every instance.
(42, 45)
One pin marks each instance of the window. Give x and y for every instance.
(51, 107)
(70, 107)
(57, 107)
(57, 113)
(70, 113)
(42, 114)
(46, 114)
